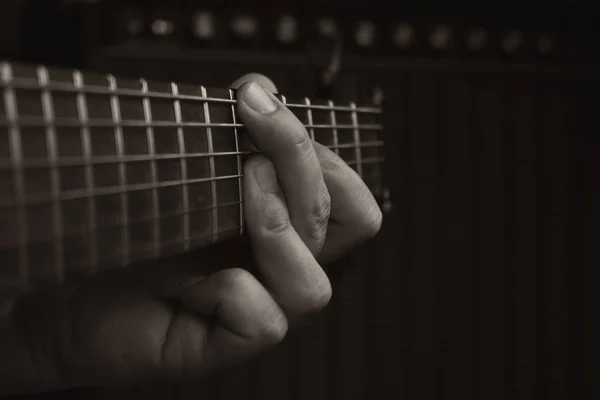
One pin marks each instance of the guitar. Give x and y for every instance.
(99, 172)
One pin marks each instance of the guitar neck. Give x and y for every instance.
(98, 172)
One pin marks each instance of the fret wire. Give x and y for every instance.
(119, 144)
(239, 163)
(109, 227)
(28, 84)
(153, 174)
(52, 147)
(86, 143)
(77, 161)
(119, 190)
(213, 185)
(356, 140)
(334, 131)
(34, 122)
(184, 176)
(12, 112)
(309, 115)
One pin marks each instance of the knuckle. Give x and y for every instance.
(237, 280)
(254, 161)
(315, 297)
(274, 328)
(330, 162)
(296, 137)
(320, 214)
(276, 218)
(371, 224)
(319, 299)
(303, 144)
(268, 325)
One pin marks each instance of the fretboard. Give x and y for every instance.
(98, 172)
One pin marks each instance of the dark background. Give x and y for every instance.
(483, 281)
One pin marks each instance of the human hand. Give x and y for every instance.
(304, 207)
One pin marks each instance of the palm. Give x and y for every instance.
(130, 324)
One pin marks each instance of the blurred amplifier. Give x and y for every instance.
(107, 33)
(367, 28)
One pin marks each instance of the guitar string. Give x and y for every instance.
(30, 84)
(121, 159)
(74, 194)
(76, 161)
(106, 227)
(66, 122)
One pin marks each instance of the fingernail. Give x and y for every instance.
(258, 99)
(266, 178)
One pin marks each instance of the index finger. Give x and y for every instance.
(279, 135)
(254, 77)
(264, 82)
